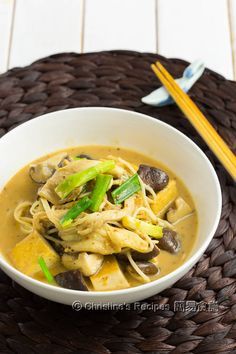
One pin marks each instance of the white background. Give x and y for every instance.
(188, 29)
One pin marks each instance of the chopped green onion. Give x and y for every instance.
(128, 188)
(77, 209)
(46, 271)
(132, 223)
(80, 178)
(78, 158)
(99, 191)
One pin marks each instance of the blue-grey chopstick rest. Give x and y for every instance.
(161, 97)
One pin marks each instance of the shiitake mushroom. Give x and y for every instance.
(84, 156)
(58, 248)
(148, 268)
(154, 177)
(72, 279)
(139, 256)
(42, 171)
(169, 242)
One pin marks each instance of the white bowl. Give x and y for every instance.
(107, 126)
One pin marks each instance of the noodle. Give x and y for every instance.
(127, 165)
(35, 207)
(38, 219)
(124, 163)
(150, 190)
(164, 223)
(183, 218)
(137, 269)
(19, 214)
(145, 201)
(49, 213)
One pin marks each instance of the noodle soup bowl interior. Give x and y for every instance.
(114, 127)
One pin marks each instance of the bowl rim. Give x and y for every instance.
(96, 294)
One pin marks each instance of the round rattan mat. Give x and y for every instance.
(29, 324)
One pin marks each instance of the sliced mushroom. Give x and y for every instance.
(72, 279)
(181, 210)
(57, 247)
(84, 156)
(139, 256)
(169, 242)
(147, 268)
(42, 171)
(88, 264)
(154, 177)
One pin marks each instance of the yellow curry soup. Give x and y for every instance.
(96, 218)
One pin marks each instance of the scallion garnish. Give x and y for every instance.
(132, 223)
(127, 189)
(78, 179)
(83, 204)
(78, 158)
(46, 271)
(99, 191)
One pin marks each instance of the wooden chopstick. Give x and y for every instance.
(186, 107)
(198, 120)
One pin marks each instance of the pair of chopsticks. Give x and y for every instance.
(198, 120)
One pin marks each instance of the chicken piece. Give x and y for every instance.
(109, 277)
(124, 238)
(94, 221)
(106, 241)
(88, 264)
(165, 198)
(70, 234)
(96, 242)
(48, 190)
(26, 253)
(181, 210)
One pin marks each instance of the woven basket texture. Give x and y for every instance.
(29, 324)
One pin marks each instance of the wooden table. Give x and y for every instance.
(188, 29)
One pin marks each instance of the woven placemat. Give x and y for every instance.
(29, 324)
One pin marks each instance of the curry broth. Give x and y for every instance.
(21, 188)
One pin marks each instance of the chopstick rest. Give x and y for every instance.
(160, 97)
